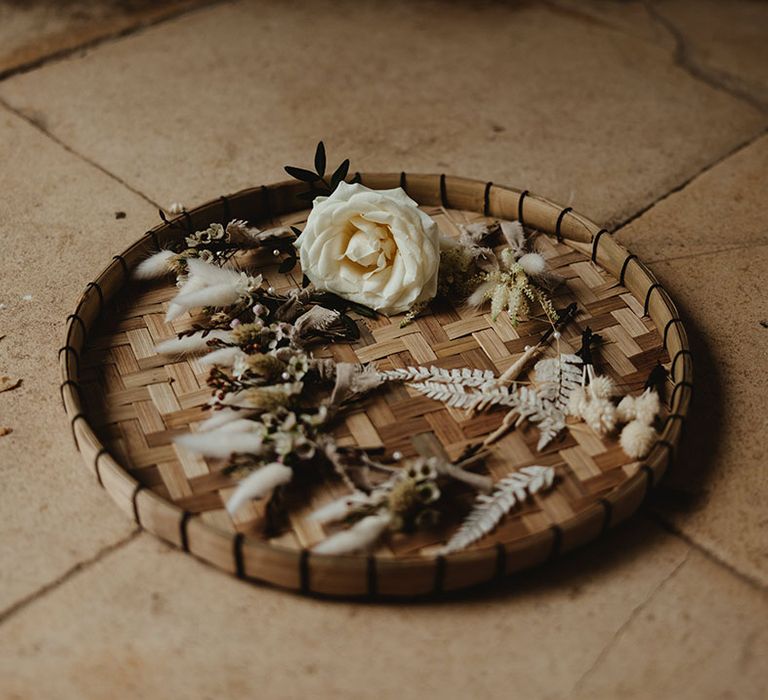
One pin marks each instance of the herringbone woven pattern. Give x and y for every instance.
(139, 401)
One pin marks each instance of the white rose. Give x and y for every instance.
(373, 247)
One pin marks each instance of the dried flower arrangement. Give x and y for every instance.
(274, 403)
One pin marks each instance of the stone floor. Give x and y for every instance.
(651, 118)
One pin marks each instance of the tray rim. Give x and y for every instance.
(369, 575)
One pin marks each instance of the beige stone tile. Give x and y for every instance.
(722, 208)
(150, 622)
(58, 229)
(32, 31)
(717, 492)
(702, 635)
(723, 43)
(520, 94)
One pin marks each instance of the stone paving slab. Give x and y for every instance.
(710, 241)
(720, 43)
(147, 621)
(519, 93)
(701, 635)
(31, 32)
(580, 107)
(722, 209)
(57, 227)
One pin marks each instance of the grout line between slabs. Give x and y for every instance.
(689, 180)
(81, 566)
(633, 615)
(77, 154)
(140, 25)
(672, 529)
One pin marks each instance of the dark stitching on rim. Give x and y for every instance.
(67, 382)
(97, 287)
(402, 180)
(520, 201)
(500, 571)
(237, 546)
(439, 574)
(557, 541)
(560, 217)
(183, 536)
(139, 488)
(655, 285)
(674, 361)
(227, 209)
(371, 576)
(681, 383)
(649, 479)
(624, 266)
(102, 451)
(607, 515)
(75, 353)
(304, 571)
(667, 327)
(487, 199)
(443, 192)
(595, 242)
(123, 265)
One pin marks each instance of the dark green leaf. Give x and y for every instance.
(352, 331)
(288, 264)
(296, 230)
(320, 159)
(363, 310)
(339, 174)
(302, 174)
(305, 282)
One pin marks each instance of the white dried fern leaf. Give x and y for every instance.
(489, 510)
(558, 377)
(455, 396)
(464, 377)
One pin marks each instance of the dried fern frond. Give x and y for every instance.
(455, 396)
(464, 377)
(489, 510)
(558, 377)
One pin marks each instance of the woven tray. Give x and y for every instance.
(126, 403)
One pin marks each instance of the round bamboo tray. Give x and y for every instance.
(125, 403)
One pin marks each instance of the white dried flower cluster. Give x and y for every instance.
(639, 412)
(592, 403)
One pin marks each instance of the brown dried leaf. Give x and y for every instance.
(6, 383)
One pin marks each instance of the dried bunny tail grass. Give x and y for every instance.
(223, 357)
(479, 296)
(196, 342)
(154, 266)
(625, 411)
(338, 509)
(258, 484)
(603, 387)
(213, 295)
(577, 402)
(637, 438)
(361, 536)
(647, 406)
(174, 311)
(211, 274)
(223, 416)
(600, 415)
(221, 443)
(533, 264)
